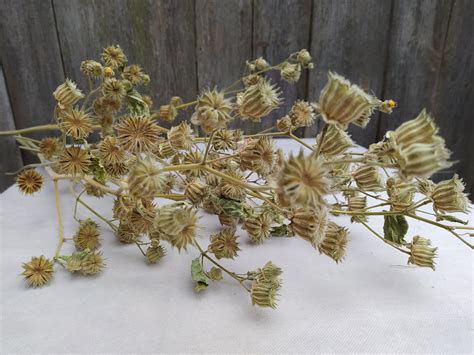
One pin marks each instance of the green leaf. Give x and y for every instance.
(136, 105)
(395, 228)
(231, 207)
(446, 217)
(198, 275)
(280, 231)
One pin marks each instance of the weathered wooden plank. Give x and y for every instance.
(280, 28)
(455, 92)
(158, 35)
(223, 35)
(416, 42)
(31, 60)
(350, 38)
(10, 157)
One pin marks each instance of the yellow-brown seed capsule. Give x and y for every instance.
(74, 161)
(290, 72)
(422, 129)
(341, 102)
(114, 89)
(225, 139)
(309, 225)
(224, 244)
(357, 203)
(178, 224)
(334, 242)
(231, 190)
(76, 124)
(67, 94)
(336, 141)
(168, 113)
(421, 253)
(213, 111)
(400, 193)
(125, 234)
(195, 191)
(145, 179)
(87, 235)
(304, 57)
(301, 114)
(368, 178)
(258, 155)
(258, 228)
(448, 196)
(108, 72)
(114, 57)
(137, 133)
(227, 220)
(284, 124)
(155, 252)
(38, 272)
(142, 216)
(49, 147)
(92, 68)
(258, 100)
(92, 263)
(181, 137)
(29, 181)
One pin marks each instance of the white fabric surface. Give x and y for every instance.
(372, 302)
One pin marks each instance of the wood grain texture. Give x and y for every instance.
(350, 38)
(158, 35)
(223, 35)
(31, 60)
(417, 38)
(282, 27)
(10, 157)
(455, 92)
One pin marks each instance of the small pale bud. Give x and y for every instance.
(304, 57)
(290, 72)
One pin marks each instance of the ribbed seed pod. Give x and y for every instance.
(334, 242)
(181, 137)
(258, 155)
(258, 228)
(110, 152)
(74, 161)
(155, 252)
(134, 74)
(142, 216)
(301, 114)
(145, 179)
(49, 147)
(76, 124)
(270, 272)
(400, 193)
(336, 141)
(303, 181)
(290, 72)
(357, 203)
(425, 186)
(92, 68)
(126, 234)
(422, 129)
(341, 102)
(421, 253)
(423, 160)
(114, 89)
(383, 152)
(123, 205)
(212, 180)
(29, 181)
(165, 150)
(224, 244)
(309, 225)
(67, 94)
(227, 220)
(194, 157)
(92, 190)
(258, 100)
(178, 224)
(231, 190)
(38, 271)
(225, 139)
(368, 178)
(449, 196)
(195, 191)
(114, 57)
(92, 263)
(137, 133)
(264, 294)
(87, 235)
(284, 124)
(168, 113)
(213, 111)
(304, 57)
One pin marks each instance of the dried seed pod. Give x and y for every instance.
(142, 216)
(87, 235)
(422, 129)
(258, 100)
(303, 57)
(225, 139)
(49, 147)
(38, 271)
(76, 124)
(67, 94)
(264, 294)
(134, 74)
(213, 111)
(334, 242)
(284, 124)
(231, 190)
(309, 225)
(421, 252)
(110, 151)
(137, 133)
(336, 141)
(303, 181)
(92, 68)
(168, 113)
(258, 228)
(341, 102)
(195, 191)
(155, 253)
(114, 57)
(126, 234)
(227, 220)
(181, 137)
(301, 114)
(178, 224)
(145, 179)
(92, 263)
(258, 155)
(357, 203)
(448, 196)
(368, 177)
(290, 72)
(74, 161)
(400, 193)
(224, 244)
(29, 181)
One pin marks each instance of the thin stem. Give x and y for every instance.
(323, 135)
(290, 134)
(208, 147)
(60, 223)
(29, 166)
(382, 238)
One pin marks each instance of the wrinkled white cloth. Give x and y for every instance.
(372, 302)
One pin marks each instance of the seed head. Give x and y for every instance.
(181, 137)
(38, 271)
(213, 111)
(114, 57)
(74, 161)
(422, 254)
(87, 235)
(67, 94)
(224, 244)
(29, 181)
(334, 242)
(290, 72)
(137, 133)
(92, 68)
(76, 124)
(448, 196)
(258, 100)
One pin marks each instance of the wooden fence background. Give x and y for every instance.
(418, 52)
